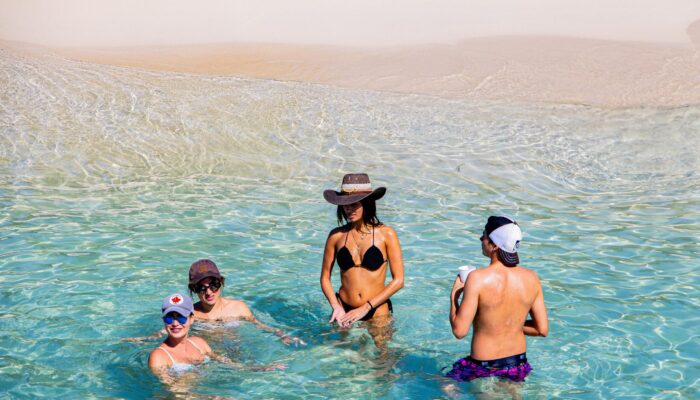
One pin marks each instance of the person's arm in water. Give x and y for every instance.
(393, 250)
(154, 336)
(206, 349)
(326, 286)
(538, 325)
(228, 361)
(462, 315)
(286, 339)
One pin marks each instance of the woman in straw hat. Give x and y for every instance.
(363, 247)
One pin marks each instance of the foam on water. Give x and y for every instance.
(113, 181)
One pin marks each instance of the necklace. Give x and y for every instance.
(364, 234)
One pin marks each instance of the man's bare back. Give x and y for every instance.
(504, 296)
(497, 300)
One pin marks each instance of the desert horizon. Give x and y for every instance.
(626, 54)
(82, 23)
(543, 68)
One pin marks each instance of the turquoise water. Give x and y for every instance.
(112, 181)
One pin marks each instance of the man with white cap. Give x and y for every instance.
(497, 300)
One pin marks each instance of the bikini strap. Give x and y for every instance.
(372, 235)
(346, 238)
(166, 352)
(195, 346)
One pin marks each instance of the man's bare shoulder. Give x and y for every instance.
(478, 276)
(235, 308)
(490, 275)
(528, 272)
(529, 279)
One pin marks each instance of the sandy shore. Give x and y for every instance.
(540, 69)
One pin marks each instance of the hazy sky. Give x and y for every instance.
(347, 22)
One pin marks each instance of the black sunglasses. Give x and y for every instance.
(213, 285)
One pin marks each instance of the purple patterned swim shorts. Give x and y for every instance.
(514, 368)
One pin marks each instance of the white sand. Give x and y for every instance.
(512, 68)
(607, 53)
(539, 69)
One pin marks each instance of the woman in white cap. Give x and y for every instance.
(364, 249)
(181, 352)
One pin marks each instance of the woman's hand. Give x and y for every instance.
(338, 313)
(354, 315)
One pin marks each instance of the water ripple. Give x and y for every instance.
(113, 180)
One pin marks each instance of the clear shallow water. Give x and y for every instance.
(112, 181)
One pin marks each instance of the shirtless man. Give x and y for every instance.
(497, 300)
(207, 282)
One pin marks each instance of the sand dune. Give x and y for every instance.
(521, 69)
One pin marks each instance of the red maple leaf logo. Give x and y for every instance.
(176, 300)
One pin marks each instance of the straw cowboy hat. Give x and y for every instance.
(355, 187)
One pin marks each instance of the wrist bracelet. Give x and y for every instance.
(371, 307)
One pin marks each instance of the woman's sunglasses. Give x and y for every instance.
(170, 318)
(213, 285)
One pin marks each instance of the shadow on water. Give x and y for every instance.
(307, 320)
(125, 367)
(363, 356)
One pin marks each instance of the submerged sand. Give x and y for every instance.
(521, 69)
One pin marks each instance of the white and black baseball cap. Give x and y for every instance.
(506, 234)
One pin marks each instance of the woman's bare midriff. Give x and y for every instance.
(358, 285)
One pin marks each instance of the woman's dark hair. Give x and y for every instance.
(369, 213)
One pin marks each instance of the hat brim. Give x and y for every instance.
(210, 274)
(509, 258)
(180, 310)
(340, 199)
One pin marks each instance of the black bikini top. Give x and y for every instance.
(372, 260)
